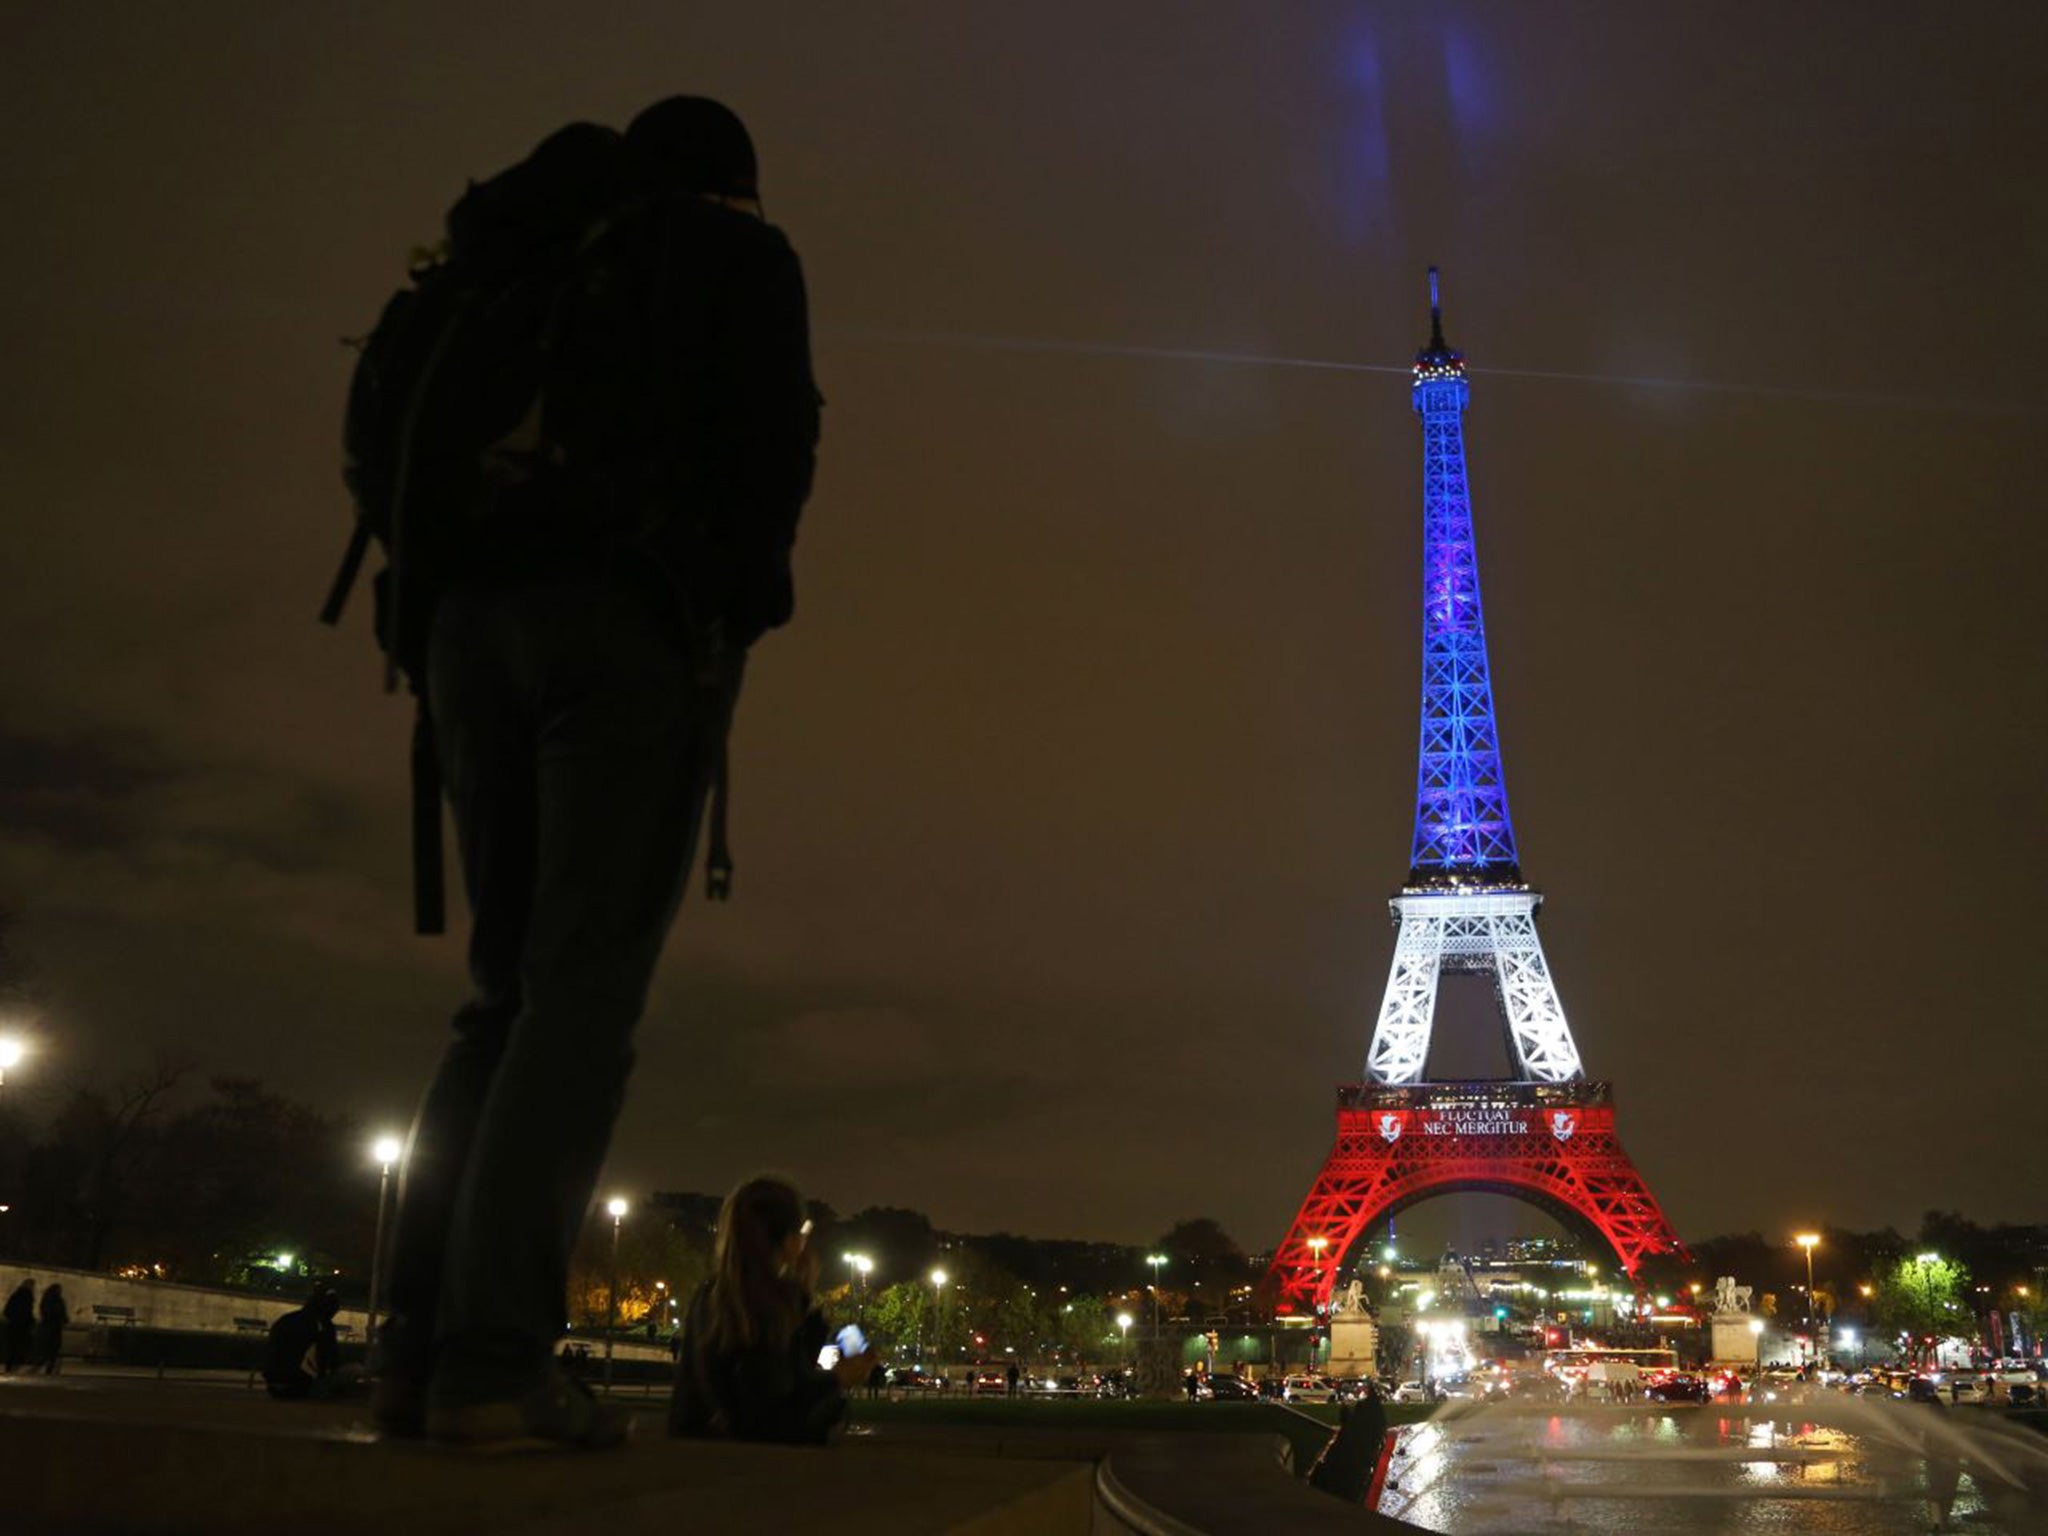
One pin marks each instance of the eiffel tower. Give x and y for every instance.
(1545, 1135)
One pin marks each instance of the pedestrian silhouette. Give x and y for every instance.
(587, 477)
(19, 1318)
(53, 1317)
(302, 1354)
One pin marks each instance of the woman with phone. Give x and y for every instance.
(753, 1342)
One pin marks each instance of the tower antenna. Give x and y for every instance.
(1436, 315)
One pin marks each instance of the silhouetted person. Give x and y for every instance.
(581, 675)
(302, 1353)
(52, 1318)
(1351, 1456)
(1192, 1385)
(878, 1377)
(1010, 1379)
(752, 1335)
(19, 1317)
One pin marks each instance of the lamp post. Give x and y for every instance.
(1807, 1242)
(11, 1052)
(616, 1207)
(1155, 1262)
(1928, 1346)
(1756, 1376)
(939, 1314)
(861, 1265)
(1123, 1327)
(386, 1150)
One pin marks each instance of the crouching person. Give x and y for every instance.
(748, 1368)
(303, 1355)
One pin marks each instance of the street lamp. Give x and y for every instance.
(616, 1208)
(1807, 1242)
(939, 1314)
(11, 1052)
(1316, 1245)
(386, 1150)
(1123, 1324)
(1756, 1333)
(861, 1265)
(1156, 1262)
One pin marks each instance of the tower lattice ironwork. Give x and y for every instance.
(1546, 1134)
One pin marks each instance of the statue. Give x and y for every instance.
(1730, 1297)
(1350, 1302)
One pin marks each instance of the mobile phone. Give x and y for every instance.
(852, 1341)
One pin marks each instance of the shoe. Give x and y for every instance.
(557, 1415)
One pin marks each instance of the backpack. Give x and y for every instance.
(447, 449)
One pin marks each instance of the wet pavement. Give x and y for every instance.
(1834, 1466)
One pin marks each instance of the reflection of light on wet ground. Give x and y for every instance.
(1847, 1469)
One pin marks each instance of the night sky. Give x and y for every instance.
(1067, 811)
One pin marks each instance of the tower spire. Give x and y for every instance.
(1462, 833)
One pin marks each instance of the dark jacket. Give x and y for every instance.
(764, 1393)
(302, 1349)
(701, 422)
(55, 1315)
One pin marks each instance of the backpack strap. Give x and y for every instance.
(429, 903)
(720, 673)
(345, 576)
(718, 861)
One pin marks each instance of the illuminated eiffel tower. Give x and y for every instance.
(1545, 1135)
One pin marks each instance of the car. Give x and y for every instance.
(1677, 1387)
(986, 1379)
(1308, 1389)
(1411, 1392)
(1231, 1389)
(911, 1378)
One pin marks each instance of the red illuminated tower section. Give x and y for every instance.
(1545, 1135)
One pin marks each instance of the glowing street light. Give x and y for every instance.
(616, 1208)
(938, 1278)
(11, 1052)
(1156, 1262)
(385, 1150)
(861, 1264)
(1123, 1324)
(1808, 1241)
(1316, 1245)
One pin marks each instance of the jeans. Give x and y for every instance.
(576, 740)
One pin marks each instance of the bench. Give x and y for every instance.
(122, 1315)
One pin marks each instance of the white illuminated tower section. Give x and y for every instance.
(1465, 906)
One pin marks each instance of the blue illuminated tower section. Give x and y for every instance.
(1465, 906)
(1463, 836)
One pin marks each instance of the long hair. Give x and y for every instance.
(755, 1298)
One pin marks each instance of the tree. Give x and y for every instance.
(659, 1261)
(1922, 1297)
(900, 1316)
(1086, 1332)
